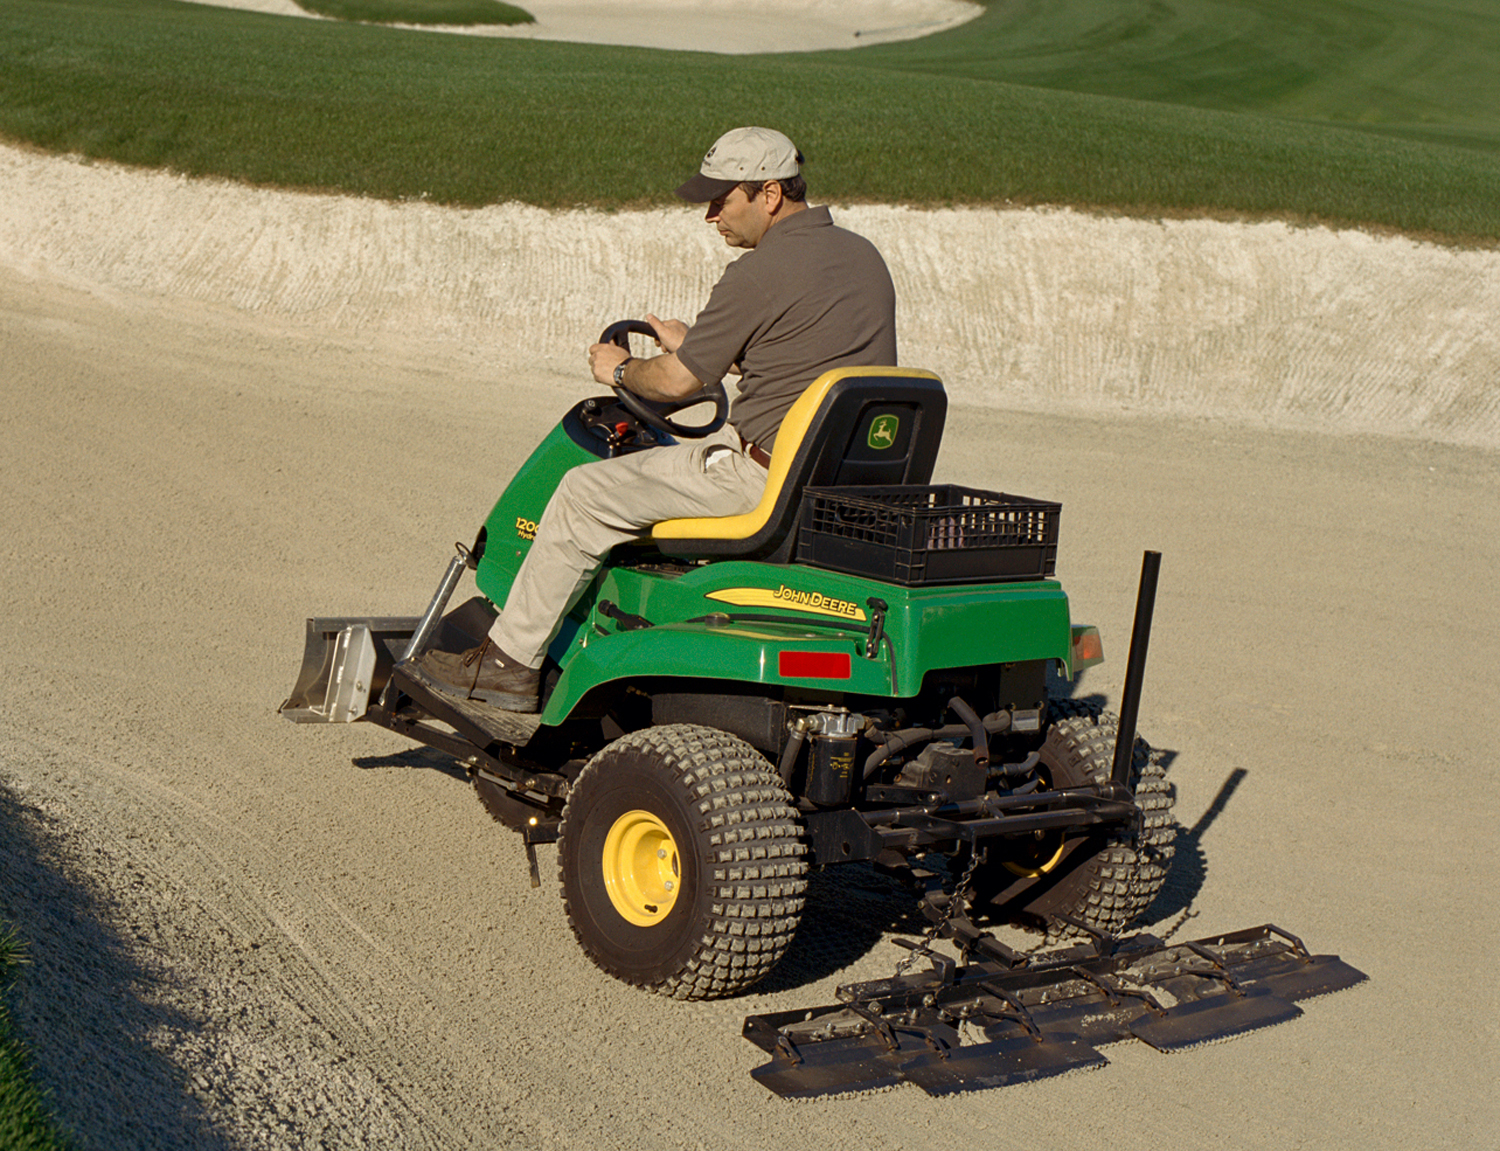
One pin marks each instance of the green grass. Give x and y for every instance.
(457, 12)
(1379, 113)
(1420, 69)
(25, 1124)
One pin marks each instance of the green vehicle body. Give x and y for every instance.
(696, 632)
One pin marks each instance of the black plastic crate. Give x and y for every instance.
(928, 535)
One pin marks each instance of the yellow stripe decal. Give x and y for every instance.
(786, 598)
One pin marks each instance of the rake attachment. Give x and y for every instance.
(1011, 1019)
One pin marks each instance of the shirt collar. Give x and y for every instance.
(819, 217)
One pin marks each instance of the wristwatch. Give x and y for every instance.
(620, 371)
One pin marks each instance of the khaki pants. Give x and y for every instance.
(598, 505)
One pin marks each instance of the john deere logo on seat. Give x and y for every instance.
(883, 432)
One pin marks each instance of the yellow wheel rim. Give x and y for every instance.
(1032, 871)
(1036, 866)
(642, 871)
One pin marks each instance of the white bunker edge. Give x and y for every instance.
(731, 27)
(1045, 310)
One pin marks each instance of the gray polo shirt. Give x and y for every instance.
(809, 297)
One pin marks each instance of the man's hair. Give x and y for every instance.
(792, 187)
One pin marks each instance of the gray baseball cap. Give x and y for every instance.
(743, 155)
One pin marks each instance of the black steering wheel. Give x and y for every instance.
(656, 413)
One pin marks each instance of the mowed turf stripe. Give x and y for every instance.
(470, 120)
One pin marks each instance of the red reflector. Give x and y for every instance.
(813, 665)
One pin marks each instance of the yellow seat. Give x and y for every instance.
(867, 426)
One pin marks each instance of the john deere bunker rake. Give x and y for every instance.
(857, 672)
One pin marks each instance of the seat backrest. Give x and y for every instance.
(867, 426)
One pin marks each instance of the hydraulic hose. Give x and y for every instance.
(789, 752)
(898, 741)
(976, 730)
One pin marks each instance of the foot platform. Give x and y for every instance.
(481, 723)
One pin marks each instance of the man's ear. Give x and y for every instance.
(775, 197)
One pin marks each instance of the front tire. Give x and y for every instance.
(1104, 880)
(682, 862)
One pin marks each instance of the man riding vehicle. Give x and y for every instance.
(806, 297)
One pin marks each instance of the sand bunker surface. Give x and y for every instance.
(711, 26)
(228, 409)
(247, 934)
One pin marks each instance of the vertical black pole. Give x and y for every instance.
(1135, 668)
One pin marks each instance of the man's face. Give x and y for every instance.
(741, 220)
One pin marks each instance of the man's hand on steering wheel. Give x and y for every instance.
(669, 333)
(605, 357)
(603, 360)
(667, 387)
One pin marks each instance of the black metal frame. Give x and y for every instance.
(1011, 1018)
(849, 835)
(473, 744)
(836, 835)
(1135, 667)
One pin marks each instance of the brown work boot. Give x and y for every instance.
(484, 673)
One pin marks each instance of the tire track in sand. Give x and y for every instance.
(271, 1035)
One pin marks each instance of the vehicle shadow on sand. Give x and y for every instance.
(83, 1004)
(414, 757)
(850, 909)
(1189, 869)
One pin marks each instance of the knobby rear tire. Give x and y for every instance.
(1104, 880)
(707, 901)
